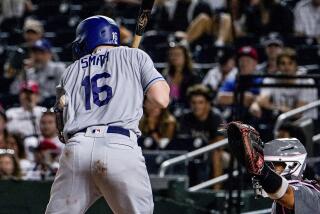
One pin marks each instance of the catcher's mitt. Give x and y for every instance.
(246, 146)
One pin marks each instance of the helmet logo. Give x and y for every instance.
(115, 37)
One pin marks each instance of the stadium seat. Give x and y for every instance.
(156, 45)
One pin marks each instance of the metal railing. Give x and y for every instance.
(284, 116)
(182, 158)
(212, 181)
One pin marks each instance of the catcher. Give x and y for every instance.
(276, 168)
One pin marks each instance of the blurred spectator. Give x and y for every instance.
(3, 128)
(46, 161)
(42, 70)
(217, 4)
(179, 72)
(25, 119)
(279, 100)
(273, 47)
(48, 129)
(32, 31)
(9, 165)
(179, 13)
(217, 26)
(157, 125)
(201, 127)
(225, 69)
(159, 19)
(307, 18)
(12, 10)
(237, 8)
(15, 142)
(265, 16)
(247, 61)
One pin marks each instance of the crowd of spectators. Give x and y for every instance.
(201, 47)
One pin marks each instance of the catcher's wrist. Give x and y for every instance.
(281, 191)
(270, 181)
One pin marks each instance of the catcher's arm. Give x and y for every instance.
(245, 144)
(61, 101)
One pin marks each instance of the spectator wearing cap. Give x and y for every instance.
(247, 62)
(19, 58)
(273, 45)
(224, 70)
(25, 119)
(307, 18)
(43, 70)
(199, 128)
(46, 163)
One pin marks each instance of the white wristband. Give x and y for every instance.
(281, 191)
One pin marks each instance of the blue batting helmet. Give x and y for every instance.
(95, 31)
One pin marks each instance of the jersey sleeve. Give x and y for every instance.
(149, 74)
(306, 200)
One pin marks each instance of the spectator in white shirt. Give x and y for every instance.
(307, 18)
(225, 69)
(25, 119)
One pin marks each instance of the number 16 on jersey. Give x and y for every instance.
(91, 87)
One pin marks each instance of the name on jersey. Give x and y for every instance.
(94, 60)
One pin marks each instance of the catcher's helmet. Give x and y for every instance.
(92, 32)
(289, 151)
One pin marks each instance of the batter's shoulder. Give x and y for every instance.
(69, 70)
(130, 50)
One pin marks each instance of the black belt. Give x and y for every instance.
(110, 129)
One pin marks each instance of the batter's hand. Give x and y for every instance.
(246, 146)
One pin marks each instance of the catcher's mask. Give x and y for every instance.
(289, 151)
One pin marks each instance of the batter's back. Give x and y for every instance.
(107, 88)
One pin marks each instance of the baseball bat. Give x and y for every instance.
(142, 20)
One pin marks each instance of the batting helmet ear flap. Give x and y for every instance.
(77, 50)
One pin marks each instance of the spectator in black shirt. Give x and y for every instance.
(199, 128)
(265, 16)
(177, 15)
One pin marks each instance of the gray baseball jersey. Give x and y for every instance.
(107, 88)
(306, 199)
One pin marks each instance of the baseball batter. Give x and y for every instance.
(100, 97)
